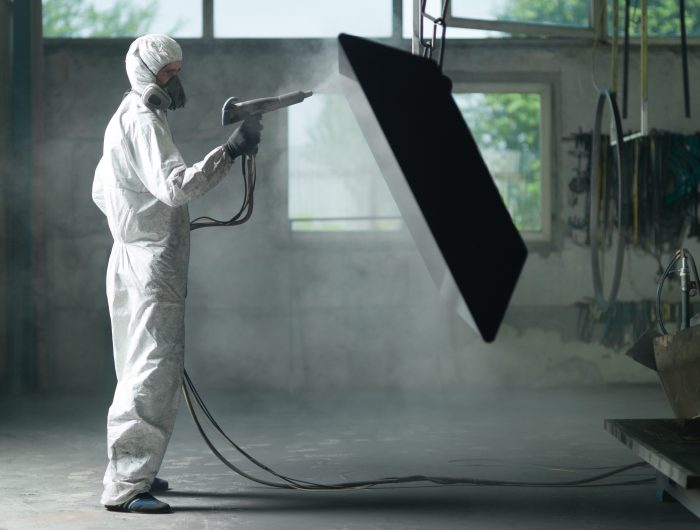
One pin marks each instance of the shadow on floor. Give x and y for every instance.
(510, 503)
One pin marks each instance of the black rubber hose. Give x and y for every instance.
(246, 211)
(659, 319)
(596, 149)
(190, 392)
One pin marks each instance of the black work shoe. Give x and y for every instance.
(159, 484)
(142, 503)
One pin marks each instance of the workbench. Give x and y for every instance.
(672, 447)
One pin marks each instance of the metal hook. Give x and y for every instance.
(430, 45)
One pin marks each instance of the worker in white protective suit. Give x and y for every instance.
(143, 185)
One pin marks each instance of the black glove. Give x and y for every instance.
(245, 139)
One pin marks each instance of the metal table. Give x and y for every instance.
(672, 447)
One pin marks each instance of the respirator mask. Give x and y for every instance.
(169, 96)
(177, 94)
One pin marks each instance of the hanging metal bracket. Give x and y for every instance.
(426, 47)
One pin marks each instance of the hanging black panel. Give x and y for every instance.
(436, 174)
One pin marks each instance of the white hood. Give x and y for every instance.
(154, 51)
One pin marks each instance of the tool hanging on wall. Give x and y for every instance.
(661, 173)
(579, 185)
(643, 155)
(621, 324)
(596, 238)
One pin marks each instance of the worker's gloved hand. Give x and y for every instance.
(245, 139)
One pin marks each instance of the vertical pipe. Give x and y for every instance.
(684, 56)
(397, 20)
(597, 18)
(40, 365)
(615, 45)
(20, 326)
(208, 19)
(613, 62)
(5, 142)
(415, 41)
(445, 9)
(684, 275)
(626, 60)
(644, 68)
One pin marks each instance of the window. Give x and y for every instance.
(301, 18)
(664, 18)
(335, 184)
(501, 18)
(458, 33)
(121, 18)
(334, 181)
(511, 124)
(557, 12)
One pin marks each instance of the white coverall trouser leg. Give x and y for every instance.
(148, 338)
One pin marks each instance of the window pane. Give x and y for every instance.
(506, 127)
(664, 18)
(301, 18)
(121, 18)
(334, 181)
(559, 12)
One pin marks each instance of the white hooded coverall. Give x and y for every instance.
(142, 185)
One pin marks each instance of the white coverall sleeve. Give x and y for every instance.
(98, 192)
(161, 168)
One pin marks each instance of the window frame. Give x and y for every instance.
(597, 24)
(547, 149)
(598, 28)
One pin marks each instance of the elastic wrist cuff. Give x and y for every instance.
(231, 151)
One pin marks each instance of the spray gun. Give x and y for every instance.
(234, 110)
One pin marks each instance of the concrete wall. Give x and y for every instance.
(270, 309)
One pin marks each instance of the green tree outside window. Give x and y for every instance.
(506, 127)
(78, 18)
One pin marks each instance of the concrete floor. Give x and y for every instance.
(52, 456)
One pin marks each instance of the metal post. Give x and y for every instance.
(19, 301)
(397, 20)
(626, 60)
(597, 10)
(5, 141)
(417, 21)
(684, 57)
(644, 68)
(615, 45)
(208, 19)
